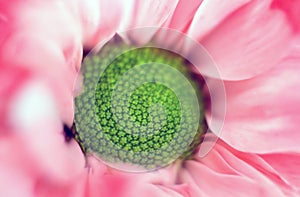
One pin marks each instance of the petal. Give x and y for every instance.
(287, 165)
(128, 185)
(32, 140)
(141, 14)
(59, 160)
(262, 113)
(47, 188)
(183, 15)
(101, 180)
(31, 104)
(99, 19)
(291, 9)
(210, 14)
(226, 172)
(37, 130)
(42, 154)
(11, 79)
(47, 45)
(39, 54)
(250, 40)
(14, 183)
(179, 21)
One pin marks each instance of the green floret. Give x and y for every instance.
(127, 113)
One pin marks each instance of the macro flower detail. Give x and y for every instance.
(138, 106)
(240, 57)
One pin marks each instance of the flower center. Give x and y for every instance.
(139, 107)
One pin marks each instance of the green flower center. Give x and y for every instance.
(139, 107)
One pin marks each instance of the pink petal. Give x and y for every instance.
(291, 9)
(32, 141)
(41, 159)
(19, 182)
(183, 15)
(13, 178)
(287, 165)
(179, 21)
(62, 160)
(47, 188)
(245, 41)
(12, 80)
(141, 14)
(127, 186)
(226, 172)
(47, 45)
(42, 152)
(263, 113)
(99, 19)
(102, 181)
(211, 14)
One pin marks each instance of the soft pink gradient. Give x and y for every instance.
(249, 41)
(263, 112)
(255, 45)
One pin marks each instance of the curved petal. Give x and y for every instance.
(291, 8)
(263, 113)
(36, 135)
(145, 14)
(210, 14)
(14, 182)
(12, 178)
(40, 53)
(287, 165)
(183, 15)
(249, 41)
(226, 172)
(45, 39)
(11, 79)
(101, 181)
(99, 19)
(178, 21)
(42, 153)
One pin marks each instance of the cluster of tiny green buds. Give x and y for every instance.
(138, 107)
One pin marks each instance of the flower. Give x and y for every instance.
(255, 45)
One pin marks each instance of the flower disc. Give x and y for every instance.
(139, 107)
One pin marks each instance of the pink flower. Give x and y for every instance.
(255, 45)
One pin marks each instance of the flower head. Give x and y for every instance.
(251, 56)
